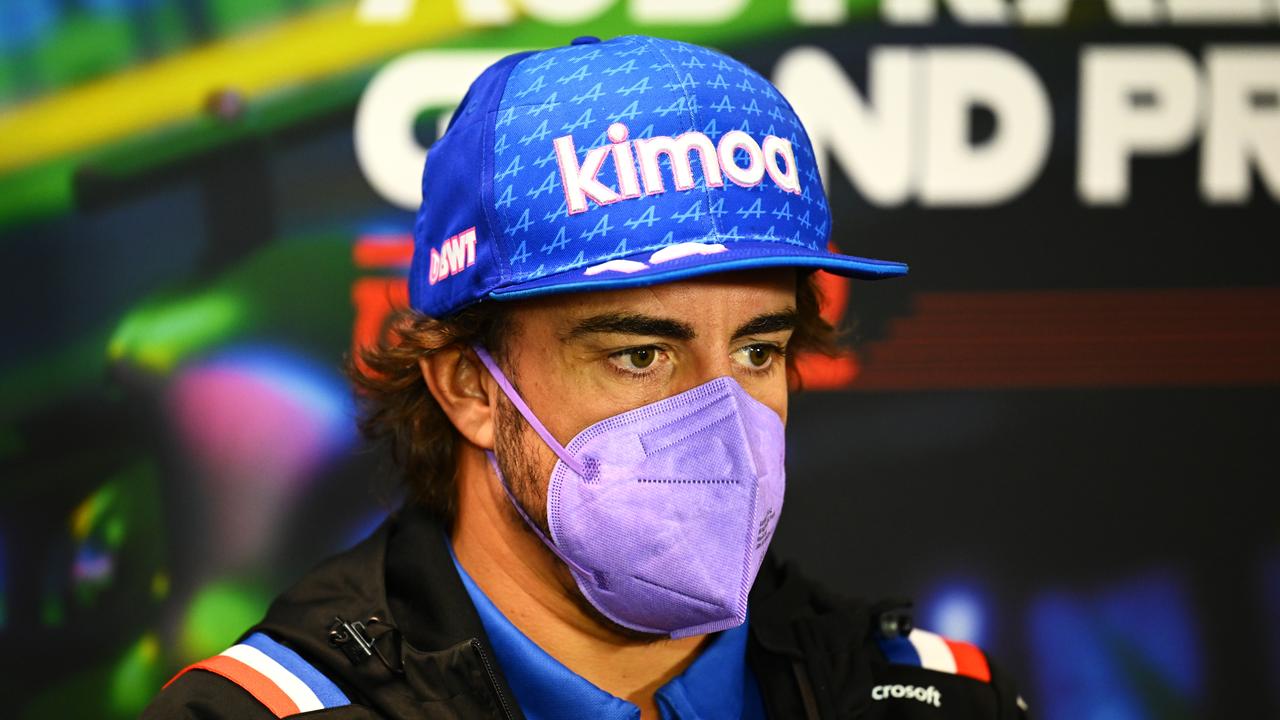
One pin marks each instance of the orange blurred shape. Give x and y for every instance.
(385, 251)
(376, 297)
(819, 372)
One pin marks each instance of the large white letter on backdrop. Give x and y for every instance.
(555, 12)
(870, 140)
(957, 172)
(1115, 125)
(701, 12)
(1243, 128)
(388, 153)
(925, 12)
(1248, 12)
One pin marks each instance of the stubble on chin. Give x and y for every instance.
(516, 453)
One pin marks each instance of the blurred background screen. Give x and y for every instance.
(1055, 434)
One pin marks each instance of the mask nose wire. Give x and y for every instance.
(523, 407)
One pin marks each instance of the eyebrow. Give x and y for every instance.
(638, 324)
(769, 323)
(632, 324)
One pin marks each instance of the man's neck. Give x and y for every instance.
(527, 583)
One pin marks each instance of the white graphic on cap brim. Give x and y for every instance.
(685, 249)
(622, 266)
(666, 254)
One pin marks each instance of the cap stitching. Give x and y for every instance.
(501, 240)
(488, 204)
(706, 189)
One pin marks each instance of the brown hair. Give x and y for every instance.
(397, 409)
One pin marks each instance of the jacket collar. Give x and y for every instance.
(822, 636)
(429, 653)
(437, 656)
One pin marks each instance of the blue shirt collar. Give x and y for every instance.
(716, 685)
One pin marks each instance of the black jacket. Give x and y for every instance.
(814, 654)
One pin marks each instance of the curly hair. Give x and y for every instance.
(398, 411)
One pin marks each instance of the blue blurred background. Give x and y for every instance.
(1057, 434)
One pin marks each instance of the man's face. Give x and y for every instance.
(577, 359)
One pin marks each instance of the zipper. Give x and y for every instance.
(806, 690)
(493, 678)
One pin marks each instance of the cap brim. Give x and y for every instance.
(640, 269)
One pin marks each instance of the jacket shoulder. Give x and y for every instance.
(816, 652)
(924, 668)
(257, 678)
(204, 696)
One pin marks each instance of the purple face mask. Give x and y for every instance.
(663, 513)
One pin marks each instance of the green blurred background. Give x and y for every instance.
(1055, 434)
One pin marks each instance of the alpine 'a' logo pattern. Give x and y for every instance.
(640, 157)
(612, 151)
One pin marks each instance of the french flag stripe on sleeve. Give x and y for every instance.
(289, 684)
(952, 656)
(326, 693)
(900, 651)
(253, 682)
(274, 675)
(969, 660)
(934, 652)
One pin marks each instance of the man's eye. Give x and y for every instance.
(641, 357)
(759, 356)
(635, 359)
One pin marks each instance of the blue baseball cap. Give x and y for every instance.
(618, 163)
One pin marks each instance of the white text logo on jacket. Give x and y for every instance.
(930, 695)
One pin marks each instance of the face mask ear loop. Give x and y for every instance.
(532, 419)
(493, 460)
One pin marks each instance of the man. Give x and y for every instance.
(613, 269)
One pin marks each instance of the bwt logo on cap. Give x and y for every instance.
(456, 254)
(637, 161)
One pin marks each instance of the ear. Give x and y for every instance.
(464, 391)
